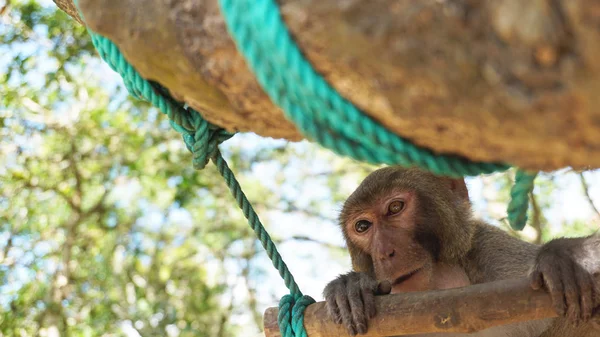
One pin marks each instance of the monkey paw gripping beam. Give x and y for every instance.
(459, 310)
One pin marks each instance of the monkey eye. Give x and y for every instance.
(362, 226)
(396, 207)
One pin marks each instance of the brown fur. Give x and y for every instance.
(444, 227)
(444, 221)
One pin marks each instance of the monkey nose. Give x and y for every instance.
(385, 254)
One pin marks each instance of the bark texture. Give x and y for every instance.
(493, 80)
(460, 310)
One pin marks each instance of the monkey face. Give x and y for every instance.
(400, 223)
(385, 230)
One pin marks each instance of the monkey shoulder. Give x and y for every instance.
(496, 255)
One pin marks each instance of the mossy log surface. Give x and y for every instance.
(493, 80)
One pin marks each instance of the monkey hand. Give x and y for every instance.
(566, 268)
(350, 300)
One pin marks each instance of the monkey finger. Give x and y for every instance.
(536, 280)
(383, 288)
(332, 308)
(555, 288)
(357, 309)
(585, 283)
(596, 318)
(368, 299)
(596, 289)
(571, 294)
(343, 305)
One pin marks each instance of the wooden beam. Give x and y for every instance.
(464, 310)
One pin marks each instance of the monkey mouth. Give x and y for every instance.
(405, 277)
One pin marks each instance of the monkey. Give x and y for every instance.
(409, 230)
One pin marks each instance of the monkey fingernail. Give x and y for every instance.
(560, 310)
(536, 281)
(575, 322)
(362, 329)
(334, 315)
(587, 316)
(384, 288)
(372, 312)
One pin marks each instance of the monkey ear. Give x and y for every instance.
(459, 188)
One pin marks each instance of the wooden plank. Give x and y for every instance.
(467, 309)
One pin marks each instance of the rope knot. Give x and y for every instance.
(291, 315)
(203, 139)
(206, 144)
(200, 137)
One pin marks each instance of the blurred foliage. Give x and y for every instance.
(106, 230)
(92, 189)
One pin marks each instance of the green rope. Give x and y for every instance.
(202, 139)
(255, 223)
(519, 203)
(318, 110)
(322, 114)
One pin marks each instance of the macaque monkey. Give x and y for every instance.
(408, 230)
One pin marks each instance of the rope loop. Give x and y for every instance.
(206, 144)
(200, 137)
(291, 315)
(519, 203)
(284, 317)
(298, 315)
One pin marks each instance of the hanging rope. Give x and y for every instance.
(519, 203)
(202, 139)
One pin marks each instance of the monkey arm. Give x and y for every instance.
(565, 268)
(464, 310)
(585, 251)
(496, 255)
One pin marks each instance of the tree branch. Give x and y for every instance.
(252, 302)
(6, 250)
(78, 178)
(536, 219)
(308, 239)
(291, 208)
(463, 310)
(221, 332)
(586, 192)
(99, 205)
(28, 184)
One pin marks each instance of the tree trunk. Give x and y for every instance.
(493, 80)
